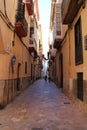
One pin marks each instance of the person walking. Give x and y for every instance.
(45, 77)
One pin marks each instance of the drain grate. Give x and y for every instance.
(37, 129)
(66, 102)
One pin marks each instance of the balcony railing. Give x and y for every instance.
(70, 9)
(21, 25)
(30, 6)
(21, 28)
(33, 48)
(32, 45)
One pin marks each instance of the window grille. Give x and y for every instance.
(78, 43)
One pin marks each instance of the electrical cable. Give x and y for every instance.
(6, 14)
(5, 20)
(8, 23)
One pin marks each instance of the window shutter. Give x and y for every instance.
(78, 43)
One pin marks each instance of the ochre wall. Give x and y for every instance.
(10, 81)
(70, 70)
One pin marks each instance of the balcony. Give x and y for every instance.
(52, 53)
(57, 43)
(70, 9)
(21, 28)
(21, 25)
(33, 47)
(30, 6)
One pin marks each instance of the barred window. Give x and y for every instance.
(20, 11)
(78, 43)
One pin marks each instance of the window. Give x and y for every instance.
(25, 67)
(78, 43)
(58, 22)
(58, 32)
(20, 11)
(20, 1)
(31, 31)
(40, 45)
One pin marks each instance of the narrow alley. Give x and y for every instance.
(42, 106)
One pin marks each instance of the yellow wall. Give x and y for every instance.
(68, 49)
(11, 82)
(6, 39)
(70, 70)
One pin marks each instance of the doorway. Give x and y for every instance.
(80, 85)
(61, 70)
(18, 78)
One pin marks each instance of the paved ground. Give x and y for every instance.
(42, 107)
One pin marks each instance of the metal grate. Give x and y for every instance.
(66, 102)
(37, 129)
(78, 43)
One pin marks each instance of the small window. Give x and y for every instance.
(58, 32)
(31, 31)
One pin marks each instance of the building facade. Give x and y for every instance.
(75, 44)
(71, 52)
(15, 56)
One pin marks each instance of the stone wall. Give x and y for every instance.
(9, 89)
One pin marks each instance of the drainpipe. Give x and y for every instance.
(69, 53)
(13, 61)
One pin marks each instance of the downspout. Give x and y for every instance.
(69, 67)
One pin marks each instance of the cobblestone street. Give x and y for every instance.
(42, 106)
